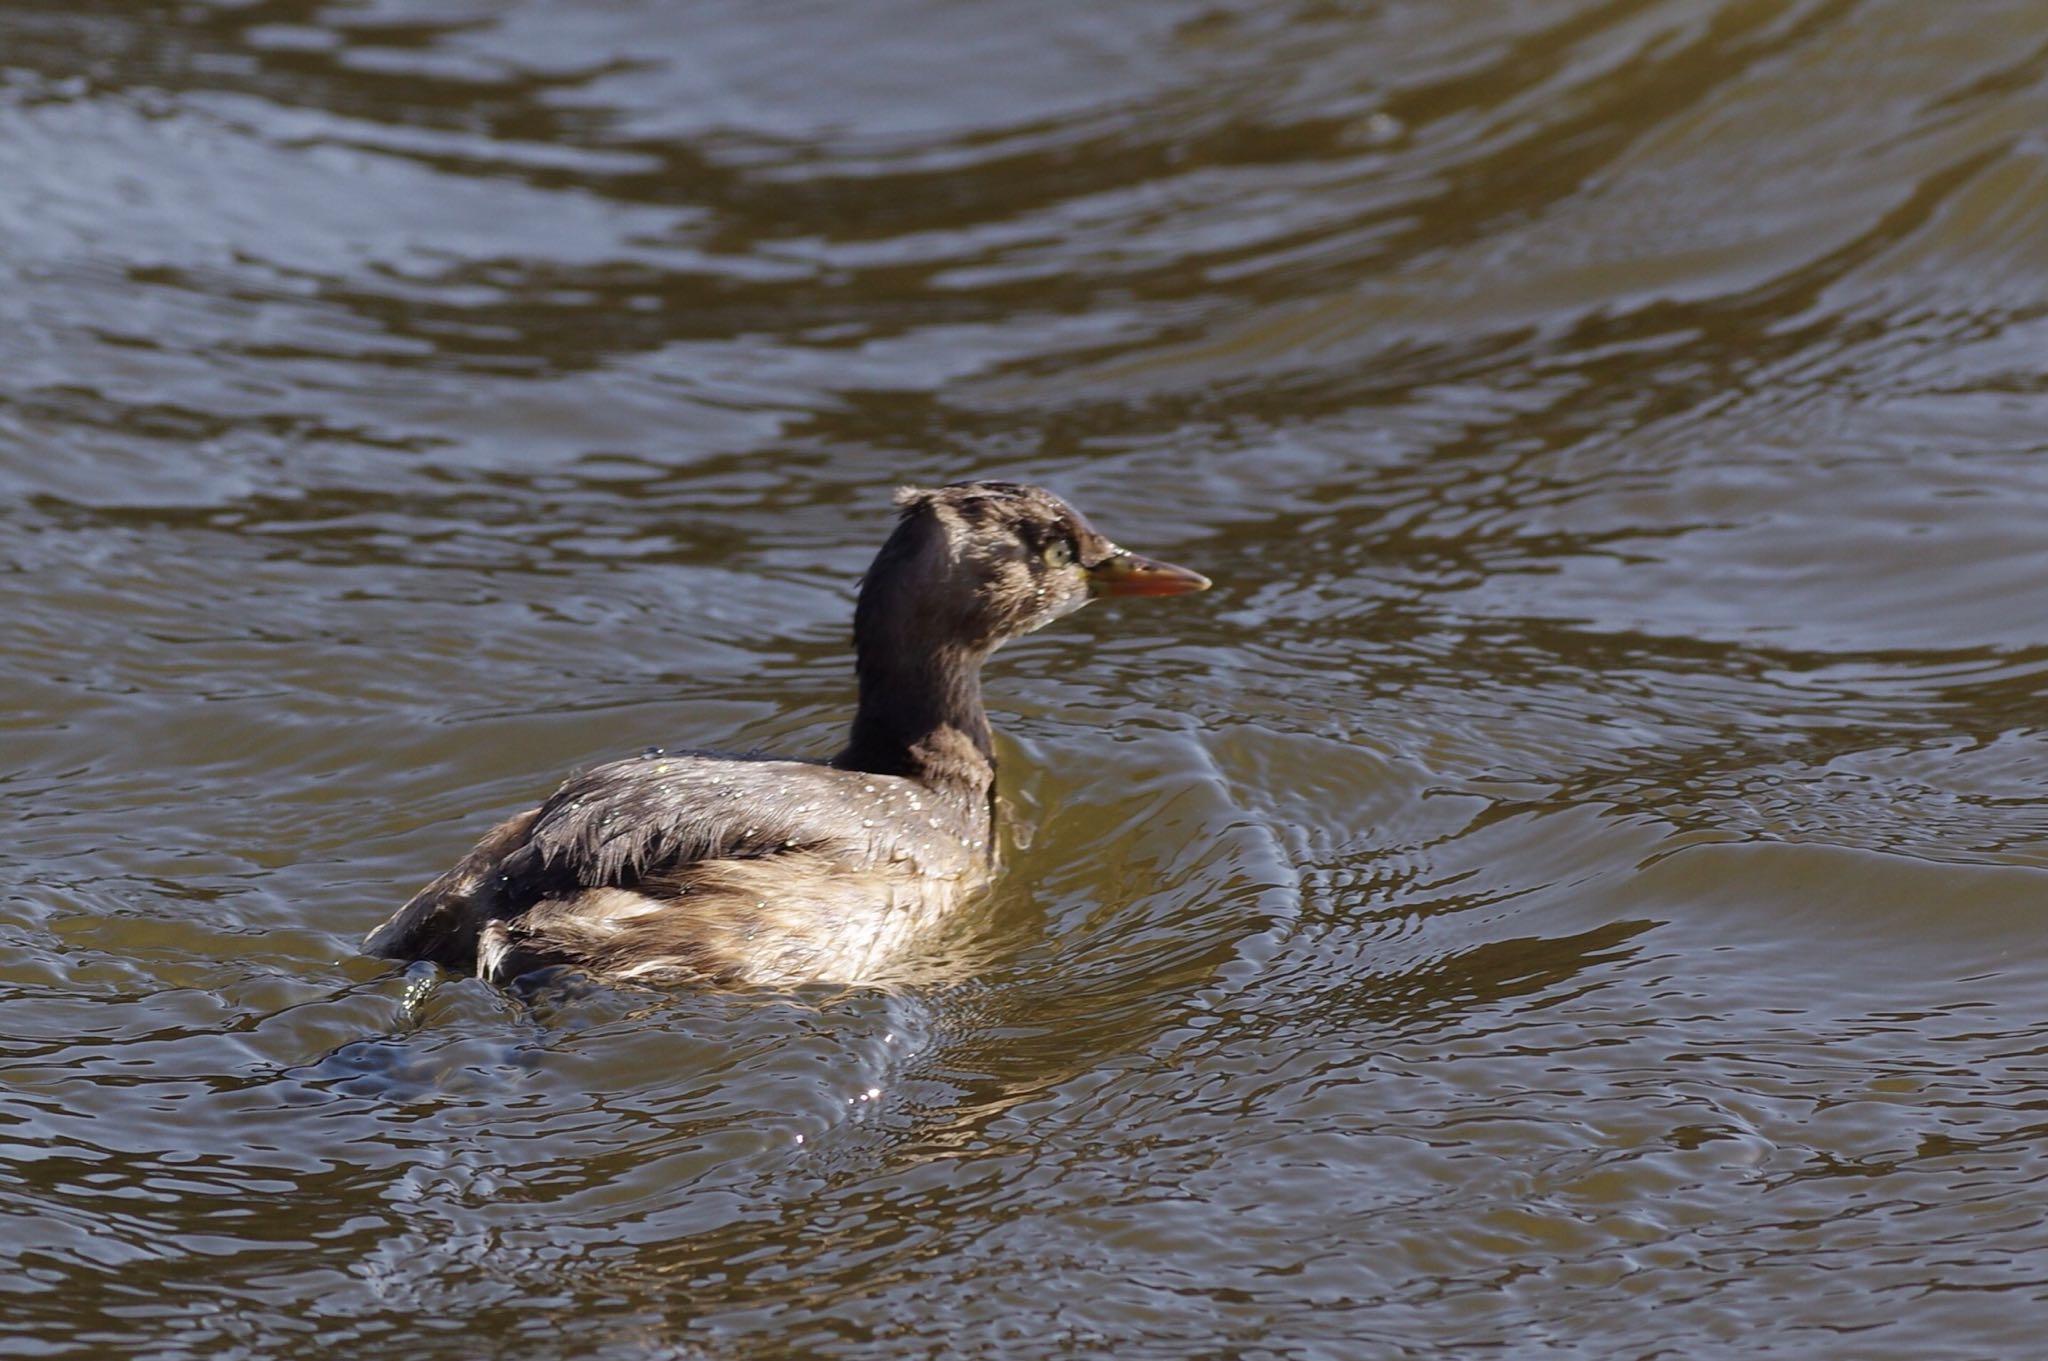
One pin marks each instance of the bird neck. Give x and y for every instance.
(920, 716)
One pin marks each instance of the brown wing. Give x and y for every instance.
(689, 831)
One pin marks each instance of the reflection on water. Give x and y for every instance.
(1569, 891)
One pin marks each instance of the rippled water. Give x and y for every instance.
(1572, 891)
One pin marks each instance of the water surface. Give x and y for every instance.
(1571, 891)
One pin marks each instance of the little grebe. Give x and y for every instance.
(700, 866)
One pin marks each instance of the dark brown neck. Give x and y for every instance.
(920, 715)
(918, 650)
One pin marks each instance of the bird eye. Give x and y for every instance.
(1058, 553)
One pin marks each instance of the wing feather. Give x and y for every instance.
(688, 831)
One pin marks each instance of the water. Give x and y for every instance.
(1572, 890)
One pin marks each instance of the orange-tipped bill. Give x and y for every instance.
(1129, 574)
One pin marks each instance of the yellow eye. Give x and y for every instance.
(1058, 553)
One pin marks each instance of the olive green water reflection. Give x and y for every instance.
(1573, 890)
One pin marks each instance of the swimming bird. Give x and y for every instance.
(744, 870)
